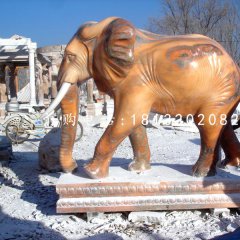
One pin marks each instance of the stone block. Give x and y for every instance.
(147, 216)
(220, 211)
(48, 151)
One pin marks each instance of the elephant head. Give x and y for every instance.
(77, 65)
(83, 60)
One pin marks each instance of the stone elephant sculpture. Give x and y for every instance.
(143, 72)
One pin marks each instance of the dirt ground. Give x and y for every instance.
(28, 197)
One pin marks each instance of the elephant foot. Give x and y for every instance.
(137, 166)
(96, 170)
(231, 162)
(70, 168)
(199, 170)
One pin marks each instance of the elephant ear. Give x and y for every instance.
(119, 46)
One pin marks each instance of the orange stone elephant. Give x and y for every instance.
(146, 72)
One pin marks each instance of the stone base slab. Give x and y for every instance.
(164, 187)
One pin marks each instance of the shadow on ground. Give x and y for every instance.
(33, 191)
(25, 229)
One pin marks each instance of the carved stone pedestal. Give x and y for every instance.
(164, 187)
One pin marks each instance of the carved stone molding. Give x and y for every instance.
(161, 188)
(139, 203)
(146, 189)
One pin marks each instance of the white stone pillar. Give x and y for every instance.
(33, 101)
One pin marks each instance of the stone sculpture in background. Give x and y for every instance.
(39, 82)
(143, 72)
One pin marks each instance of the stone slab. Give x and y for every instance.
(165, 186)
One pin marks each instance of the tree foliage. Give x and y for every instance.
(218, 19)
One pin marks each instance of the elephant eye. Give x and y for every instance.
(70, 57)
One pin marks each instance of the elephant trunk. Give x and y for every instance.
(68, 97)
(69, 106)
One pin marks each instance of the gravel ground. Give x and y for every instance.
(28, 197)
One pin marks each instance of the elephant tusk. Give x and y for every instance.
(62, 92)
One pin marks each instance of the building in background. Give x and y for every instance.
(17, 72)
(28, 77)
(47, 65)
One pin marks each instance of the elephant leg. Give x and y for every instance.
(69, 106)
(210, 135)
(121, 128)
(141, 151)
(98, 167)
(231, 146)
